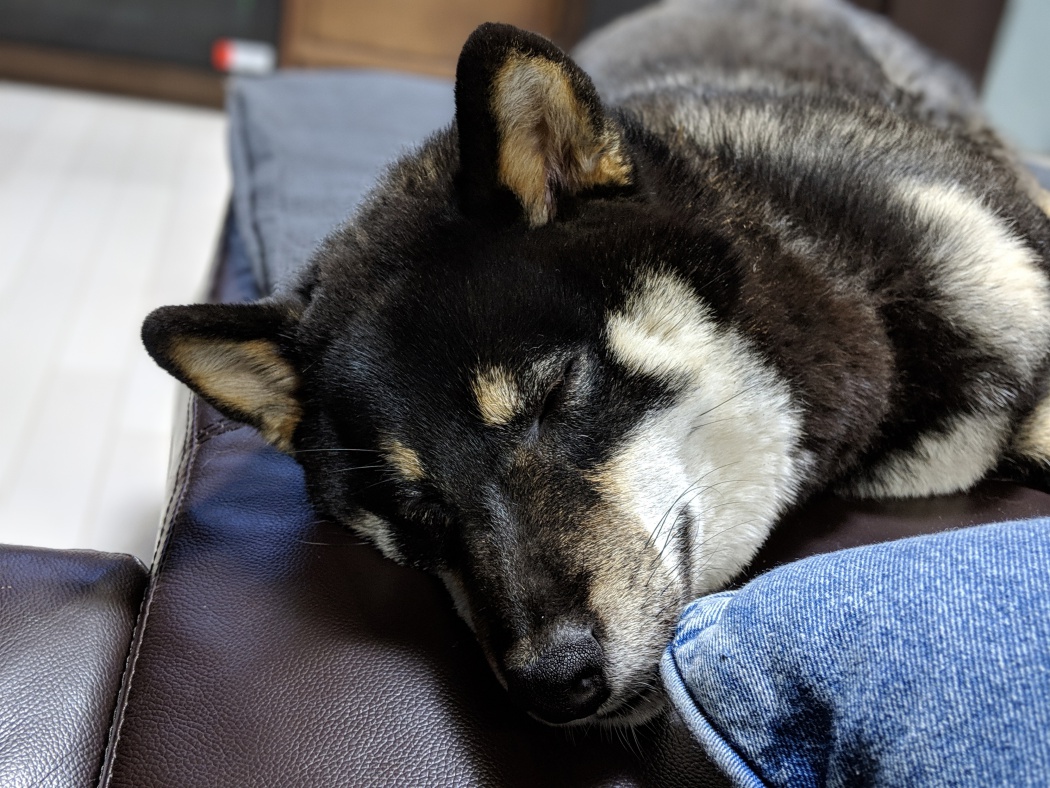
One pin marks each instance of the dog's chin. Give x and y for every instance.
(639, 710)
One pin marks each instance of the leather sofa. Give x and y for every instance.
(268, 647)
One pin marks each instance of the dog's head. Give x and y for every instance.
(490, 373)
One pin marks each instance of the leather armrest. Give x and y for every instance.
(66, 620)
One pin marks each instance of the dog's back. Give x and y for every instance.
(786, 52)
(773, 47)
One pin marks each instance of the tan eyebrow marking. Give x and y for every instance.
(498, 396)
(404, 459)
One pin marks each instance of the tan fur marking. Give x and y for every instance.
(250, 377)
(404, 459)
(546, 136)
(1033, 436)
(497, 394)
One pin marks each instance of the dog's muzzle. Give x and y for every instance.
(565, 681)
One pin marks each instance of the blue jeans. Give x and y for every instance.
(919, 662)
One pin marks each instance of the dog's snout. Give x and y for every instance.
(565, 681)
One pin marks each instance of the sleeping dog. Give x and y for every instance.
(579, 352)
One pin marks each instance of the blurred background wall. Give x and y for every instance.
(176, 31)
(1017, 85)
(151, 48)
(169, 48)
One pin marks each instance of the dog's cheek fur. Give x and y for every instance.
(330, 495)
(725, 459)
(378, 532)
(404, 460)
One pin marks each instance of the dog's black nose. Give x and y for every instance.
(565, 682)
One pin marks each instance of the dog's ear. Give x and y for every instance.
(236, 357)
(530, 124)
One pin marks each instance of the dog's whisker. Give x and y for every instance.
(659, 528)
(377, 483)
(333, 450)
(707, 556)
(361, 468)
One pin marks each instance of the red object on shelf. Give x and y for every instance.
(220, 54)
(237, 56)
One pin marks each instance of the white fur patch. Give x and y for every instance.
(990, 281)
(377, 531)
(940, 462)
(454, 584)
(725, 453)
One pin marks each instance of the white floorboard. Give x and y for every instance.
(108, 207)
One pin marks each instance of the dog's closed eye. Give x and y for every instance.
(554, 399)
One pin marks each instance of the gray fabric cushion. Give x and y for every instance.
(306, 146)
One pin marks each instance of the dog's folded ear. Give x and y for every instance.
(236, 357)
(531, 126)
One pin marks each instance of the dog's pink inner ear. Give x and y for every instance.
(549, 140)
(247, 378)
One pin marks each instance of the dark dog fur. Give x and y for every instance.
(579, 352)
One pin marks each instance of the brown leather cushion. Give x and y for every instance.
(66, 619)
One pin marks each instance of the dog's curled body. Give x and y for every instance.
(576, 356)
(868, 162)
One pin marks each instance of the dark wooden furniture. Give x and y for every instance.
(424, 36)
(110, 74)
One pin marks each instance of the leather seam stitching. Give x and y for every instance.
(175, 501)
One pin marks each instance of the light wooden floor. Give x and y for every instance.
(108, 208)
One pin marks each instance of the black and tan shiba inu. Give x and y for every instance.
(579, 352)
